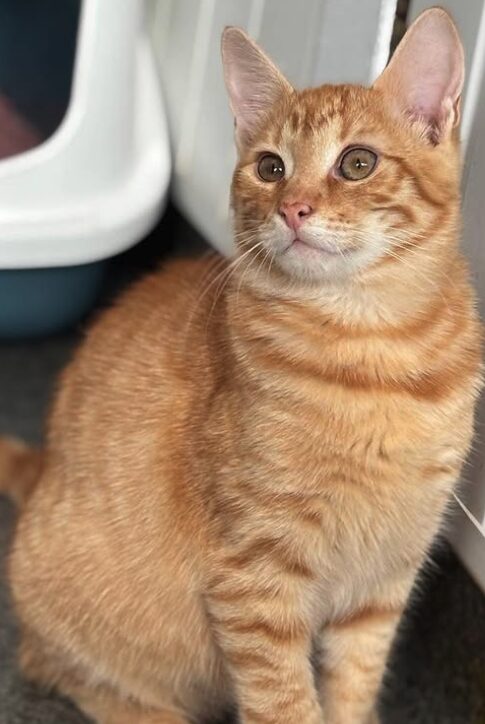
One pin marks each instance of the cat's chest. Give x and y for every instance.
(368, 540)
(378, 477)
(364, 442)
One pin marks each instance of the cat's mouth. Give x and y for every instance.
(301, 246)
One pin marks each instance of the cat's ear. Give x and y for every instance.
(253, 82)
(424, 78)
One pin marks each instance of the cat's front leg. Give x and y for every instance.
(354, 656)
(259, 619)
(354, 662)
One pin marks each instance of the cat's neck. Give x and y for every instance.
(385, 297)
(364, 335)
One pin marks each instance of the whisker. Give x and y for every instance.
(246, 271)
(231, 270)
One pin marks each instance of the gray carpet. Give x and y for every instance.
(437, 672)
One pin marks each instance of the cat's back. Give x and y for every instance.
(148, 341)
(151, 317)
(133, 389)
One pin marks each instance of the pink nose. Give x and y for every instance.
(295, 213)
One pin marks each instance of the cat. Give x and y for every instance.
(247, 463)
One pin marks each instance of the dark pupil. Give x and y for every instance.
(360, 164)
(271, 168)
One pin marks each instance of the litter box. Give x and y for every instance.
(87, 176)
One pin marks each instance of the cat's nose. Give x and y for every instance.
(295, 213)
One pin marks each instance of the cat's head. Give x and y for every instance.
(338, 180)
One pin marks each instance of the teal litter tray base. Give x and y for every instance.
(38, 302)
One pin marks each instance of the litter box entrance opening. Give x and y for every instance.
(37, 51)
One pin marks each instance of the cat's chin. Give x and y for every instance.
(317, 263)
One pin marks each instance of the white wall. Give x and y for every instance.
(313, 41)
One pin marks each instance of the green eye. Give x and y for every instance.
(357, 163)
(271, 167)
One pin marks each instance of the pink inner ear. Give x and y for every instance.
(425, 76)
(429, 78)
(253, 82)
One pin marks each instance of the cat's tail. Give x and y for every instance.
(20, 468)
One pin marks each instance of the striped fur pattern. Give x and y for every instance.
(247, 462)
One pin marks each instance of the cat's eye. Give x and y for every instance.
(271, 167)
(357, 163)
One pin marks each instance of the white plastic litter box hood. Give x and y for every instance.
(98, 184)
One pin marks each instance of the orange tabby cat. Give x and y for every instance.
(238, 479)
